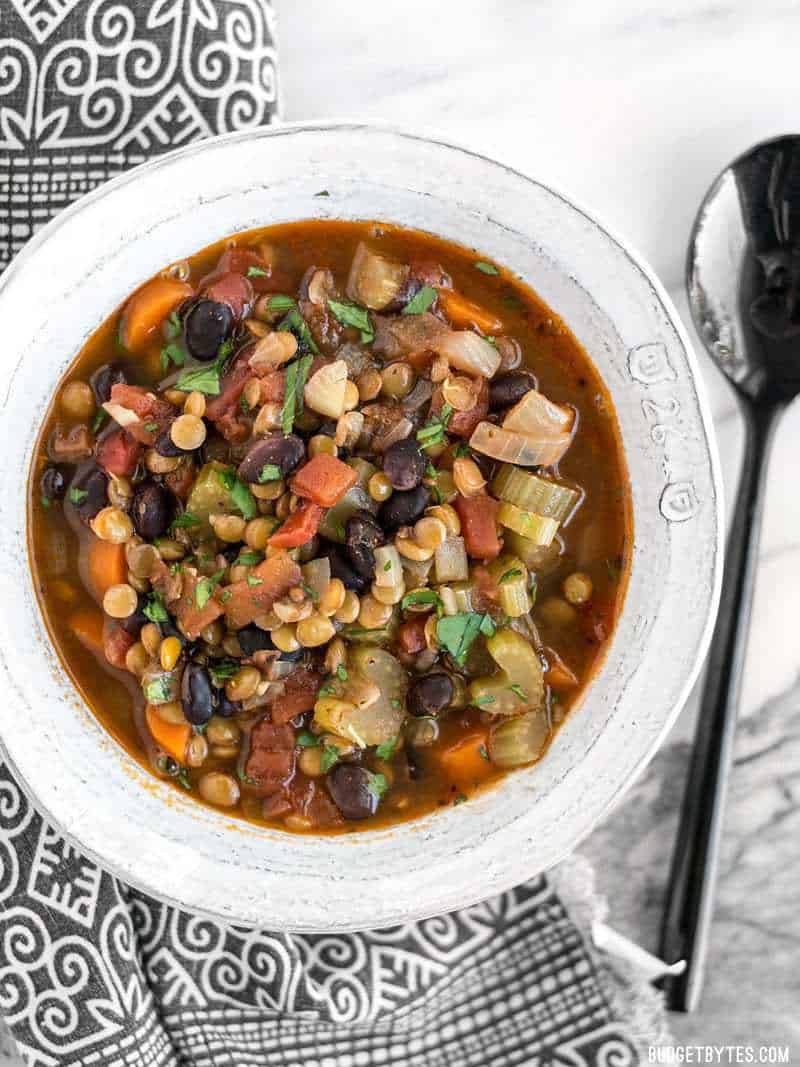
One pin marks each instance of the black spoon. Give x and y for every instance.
(743, 279)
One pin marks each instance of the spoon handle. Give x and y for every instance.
(690, 890)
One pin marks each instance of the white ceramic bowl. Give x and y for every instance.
(77, 270)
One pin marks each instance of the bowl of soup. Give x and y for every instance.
(362, 525)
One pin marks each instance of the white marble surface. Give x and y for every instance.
(631, 107)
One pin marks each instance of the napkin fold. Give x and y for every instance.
(93, 972)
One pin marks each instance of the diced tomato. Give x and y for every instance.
(191, 618)
(244, 601)
(324, 479)
(299, 695)
(309, 798)
(118, 453)
(462, 423)
(231, 387)
(116, 643)
(142, 402)
(299, 528)
(478, 516)
(234, 290)
(411, 635)
(270, 761)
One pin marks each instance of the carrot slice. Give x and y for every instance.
(558, 676)
(464, 763)
(324, 479)
(148, 308)
(173, 737)
(245, 600)
(107, 566)
(88, 628)
(299, 528)
(463, 312)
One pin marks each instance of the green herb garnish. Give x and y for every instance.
(456, 633)
(329, 758)
(171, 353)
(172, 326)
(280, 303)
(155, 609)
(387, 565)
(182, 778)
(486, 268)
(353, 315)
(481, 702)
(432, 433)
(205, 588)
(222, 670)
(388, 748)
(515, 572)
(310, 592)
(305, 739)
(270, 472)
(241, 497)
(421, 597)
(341, 672)
(248, 559)
(518, 691)
(206, 379)
(296, 324)
(151, 427)
(157, 691)
(252, 581)
(296, 375)
(77, 496)
(483, 752)
(461, 449)
(184, 520)
(45, 501)
(246, 778)
(421, 301)
(244, 406)
(99, 420)
(257, 272)
(377, 784)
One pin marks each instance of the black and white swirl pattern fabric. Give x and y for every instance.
(93, 974)
(89, 88)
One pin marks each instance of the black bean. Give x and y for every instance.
(403, 508)
(253, 639)
(507, 389)
(88, 492)
(430, 694)
(225, 708)
(166, 447)
(274, 450)
(196, 696)
(342, 569)
(207, 325)
(362, 536)
(404, 464)
(152, 511)
(52, 483)
(349, 785)
(103, 379)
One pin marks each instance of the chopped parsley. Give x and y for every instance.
(387, 750)
(341, 672)
(157, 690)
(483, 752)
(377, 784)
(432, 433)
(270, 472)
(182, 778)
(330, 757)
(515, 572)
(387, 565)
(77, 496)
(311, 593)
(151, 427)
(244, 406)
(184, 520)
(461, 449)
(241, 497)
(172, 326)
(421, 301)
(155, 609)
(257, 272)
(518, 691)
(486, 268)
(252, 581)
(456, 633)
(99, 420)
(421, 597)
(353, 315)
(222, 670)
(296, 324)
(246, 778)
(296, 376)
(482, 702)
(248, 559)
(279, 302)
(204, 589)
(305, 739)
(206, 379)
(45, 501)
(171, 353)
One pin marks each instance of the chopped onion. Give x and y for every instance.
(518, 741)
(537, 415)
(469, 352)
(317, 575)
(388, 567)
(324, 392)
(374, 281)
(451, 561)
(122, 416)
(524, 449)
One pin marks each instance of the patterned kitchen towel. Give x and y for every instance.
(94, 973)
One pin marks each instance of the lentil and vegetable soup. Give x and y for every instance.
(330, 524)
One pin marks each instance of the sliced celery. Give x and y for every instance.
(511, 576)
(537, 528)
(519, 682)
(520, 740)
(539, 558)
(531, 492)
